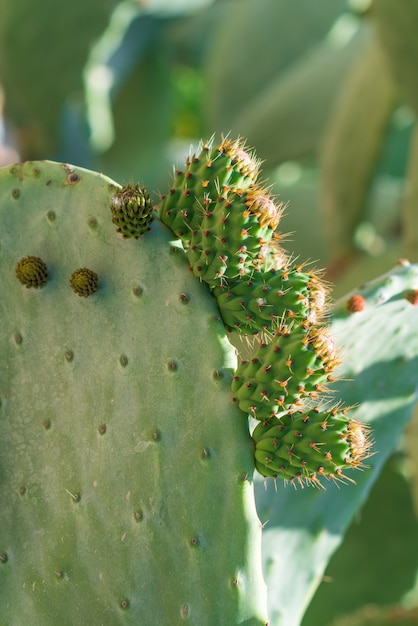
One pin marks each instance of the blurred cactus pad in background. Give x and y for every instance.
(208, 371)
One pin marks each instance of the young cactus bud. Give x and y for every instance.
(227, 243)
(317, 444)
(84, 282)
(261, 302)
(295, 366)
(132, 211)
(206, 174)
(31, 271)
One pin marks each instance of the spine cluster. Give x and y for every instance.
(227, 224)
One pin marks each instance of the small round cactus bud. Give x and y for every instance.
(356, 303)
(31, 271)
(84, 282)
(132, 211)
(307, 447)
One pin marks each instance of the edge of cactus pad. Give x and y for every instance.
(125, 468)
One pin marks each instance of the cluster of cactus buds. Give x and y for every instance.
(227, 224)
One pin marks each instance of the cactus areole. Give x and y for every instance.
(126, 460)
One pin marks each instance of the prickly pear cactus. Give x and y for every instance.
(125, 467)
(126, 458)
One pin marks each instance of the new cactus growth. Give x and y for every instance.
(31, 271)
(263, 301)
(296, 364)
(234, 228)
(304, 448)
(132, 211)
(206, 175)
(84, 282)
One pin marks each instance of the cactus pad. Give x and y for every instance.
(124, 465)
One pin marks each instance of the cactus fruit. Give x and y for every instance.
(123, 461)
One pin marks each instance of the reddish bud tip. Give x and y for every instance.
(356, 303)
(412, 296)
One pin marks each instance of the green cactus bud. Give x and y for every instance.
(227, 243)
(132, 211)
(206, 174)
(31, 271)
(84, 282)
(260, 302)
(307, 447)
(296, 365)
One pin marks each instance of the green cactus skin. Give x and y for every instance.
(205, 176)
(124, 465)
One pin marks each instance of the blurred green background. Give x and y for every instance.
(325, 91)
